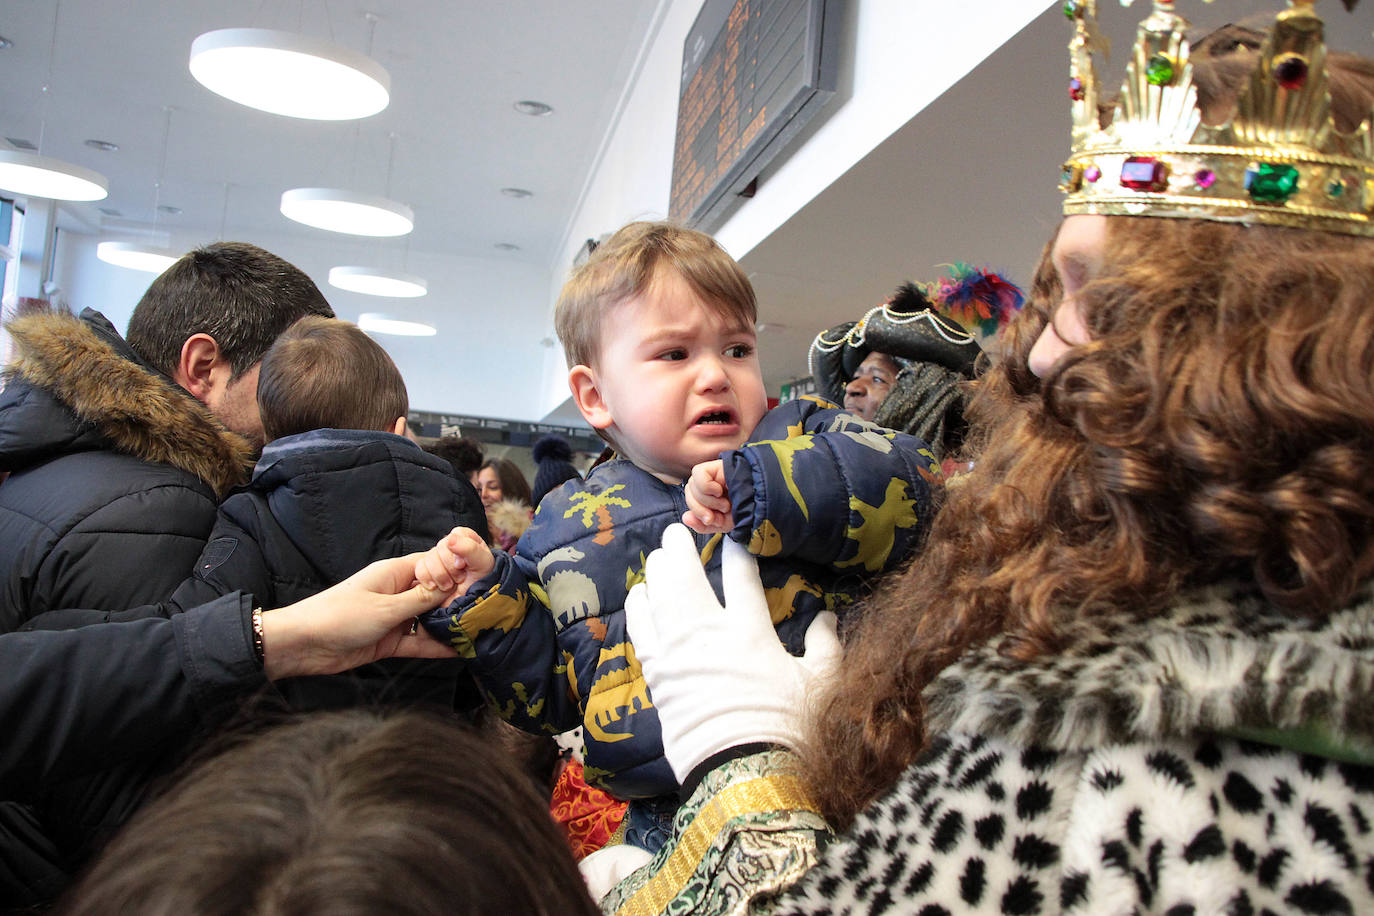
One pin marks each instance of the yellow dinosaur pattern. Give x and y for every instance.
(766, 540)
(493, 611)
(786, 451)
(877, 533)
(571, 671)
(616, 694)
(782, 601)
(531, 711)
(634, 574)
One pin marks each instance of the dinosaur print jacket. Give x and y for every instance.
(825, 499)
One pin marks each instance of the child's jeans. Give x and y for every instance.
(649, 821)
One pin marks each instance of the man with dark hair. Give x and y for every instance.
(206, 322)
(119, 452)
(337, 487)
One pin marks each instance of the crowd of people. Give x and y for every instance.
(1123, 666)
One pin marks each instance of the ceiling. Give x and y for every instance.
(456, 67)
(969, 179)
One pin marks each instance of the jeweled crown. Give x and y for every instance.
(1279, 160)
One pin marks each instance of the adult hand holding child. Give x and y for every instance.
(718, 675)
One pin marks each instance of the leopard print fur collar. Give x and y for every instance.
(1220, 659)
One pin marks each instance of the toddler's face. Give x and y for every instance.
(678, 383)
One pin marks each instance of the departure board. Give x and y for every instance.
(753, 72)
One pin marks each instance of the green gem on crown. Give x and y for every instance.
(1336, 188)
(1160, 70)
(1271, 182)
(1071, 9)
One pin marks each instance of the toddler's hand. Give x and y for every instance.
(455, 563)
(708, 502)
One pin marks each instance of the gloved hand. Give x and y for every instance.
(719, 676)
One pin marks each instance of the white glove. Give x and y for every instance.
(719, 676)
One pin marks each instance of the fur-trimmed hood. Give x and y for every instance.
(1223, 659)
(74, 385)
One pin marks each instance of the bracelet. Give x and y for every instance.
(256, 619)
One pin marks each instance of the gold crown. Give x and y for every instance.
(1278, 161)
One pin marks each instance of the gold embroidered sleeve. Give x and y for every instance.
(748, 833)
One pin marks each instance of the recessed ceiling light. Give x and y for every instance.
(103, 145)
(31, 175)
(532, 108)
(507, 246)
(110, 211)
(169, 209)
(347, 211)
(373, 282)
(377, 323)
(147, 258)
(289, 74)
(5, 43)
(520, 193)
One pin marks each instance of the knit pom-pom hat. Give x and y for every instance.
(553, 465)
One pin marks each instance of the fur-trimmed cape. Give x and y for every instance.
(1222, 660)
(1212, 760)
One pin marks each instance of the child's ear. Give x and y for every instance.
(399, 427)
(587, 395)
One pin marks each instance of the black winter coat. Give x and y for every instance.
(105, 709)
(322, 505)
(115, 472)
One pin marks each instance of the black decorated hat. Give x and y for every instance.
(907, 327)
(969, 305)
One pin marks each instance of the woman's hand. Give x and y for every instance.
(367, 616)
(718, 675)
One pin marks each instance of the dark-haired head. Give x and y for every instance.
(239, 294)
(354, 812)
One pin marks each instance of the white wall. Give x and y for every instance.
(896, 57)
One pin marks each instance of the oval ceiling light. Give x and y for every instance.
(532, 108)
(373, 282)
(378, 323)
(347, 211)
(147, 258)
(32, 175)
(290, 74)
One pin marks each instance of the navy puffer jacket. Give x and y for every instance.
(825, 499)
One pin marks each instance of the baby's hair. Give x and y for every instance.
(324, 373)
(626, 264)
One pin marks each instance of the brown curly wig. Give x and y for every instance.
(1220, 423)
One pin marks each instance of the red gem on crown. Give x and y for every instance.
(1144, 173)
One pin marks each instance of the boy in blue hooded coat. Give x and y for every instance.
(658, 327)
